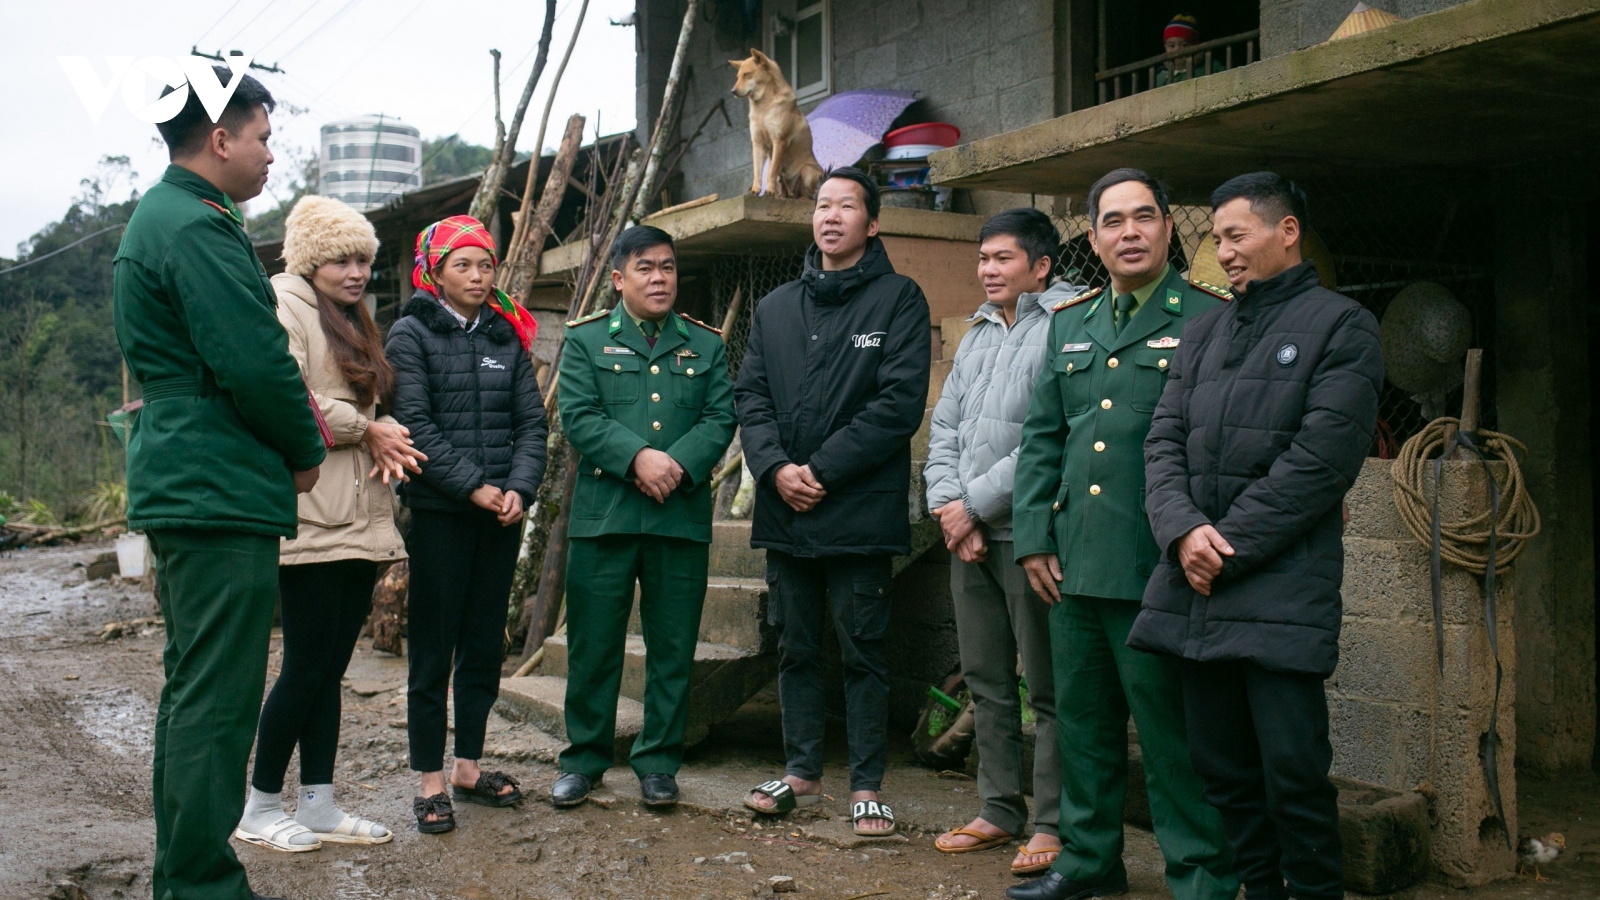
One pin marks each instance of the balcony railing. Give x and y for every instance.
(1190, 62)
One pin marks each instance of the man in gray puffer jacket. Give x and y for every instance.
(972, 456)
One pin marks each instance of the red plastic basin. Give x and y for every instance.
(941, 134)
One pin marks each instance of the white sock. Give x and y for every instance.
(263, 810)
(318, 811)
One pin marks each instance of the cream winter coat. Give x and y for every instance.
(347, 515)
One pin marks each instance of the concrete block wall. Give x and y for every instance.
(982, 71)
(1397, 720)
(1288, 25)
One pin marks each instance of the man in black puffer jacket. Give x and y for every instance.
(1263, 426)
(833, 385)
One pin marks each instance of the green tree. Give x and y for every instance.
(450, 157)
(60, 367)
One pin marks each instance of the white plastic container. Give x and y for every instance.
(912, 151)
(132, 551)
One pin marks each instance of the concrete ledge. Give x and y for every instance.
(1412, 94)
(749, 225)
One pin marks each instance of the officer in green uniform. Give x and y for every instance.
(1082, 534)
(224, 440)
(647, 403)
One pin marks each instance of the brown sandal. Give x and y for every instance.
(1034, 868)
(985, 841)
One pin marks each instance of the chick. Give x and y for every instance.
(1537, 851)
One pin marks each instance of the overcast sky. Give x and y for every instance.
(426, 63)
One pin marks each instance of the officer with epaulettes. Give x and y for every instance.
(647, 403)
(1083, 536)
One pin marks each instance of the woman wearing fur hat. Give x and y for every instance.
(464, 384)
(326, 574)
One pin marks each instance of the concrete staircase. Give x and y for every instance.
(734, 658)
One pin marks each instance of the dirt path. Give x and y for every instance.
(76, 714)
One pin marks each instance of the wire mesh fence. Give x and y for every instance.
(751, 278)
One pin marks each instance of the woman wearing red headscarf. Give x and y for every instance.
(464, 386)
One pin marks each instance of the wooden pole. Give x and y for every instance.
(1471, 391)
(487, 198)
(538, 143)
(541, 613)
(534, 224)
(670, 100)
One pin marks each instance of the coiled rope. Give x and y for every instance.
(1484, 543)
(1465, 542)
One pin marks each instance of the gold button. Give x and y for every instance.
(1161, 364)
(1106, 403)
(1094, 489)
(690, 372)
(656, 425)
(1056, 506)
(1069, 367)
(1099, 446)
(617, 367)
(597, 472)
(655, 370)
(655, 398)
(1112, 362)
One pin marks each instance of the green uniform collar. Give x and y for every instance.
(1142, 294)
(205, 190)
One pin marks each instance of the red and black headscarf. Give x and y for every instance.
(435, 243)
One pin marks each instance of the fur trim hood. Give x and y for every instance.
(321, 230)
(430, 311)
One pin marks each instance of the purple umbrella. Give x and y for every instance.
(846, 125)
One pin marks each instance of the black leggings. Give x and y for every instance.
(324, 606)
(461, 569)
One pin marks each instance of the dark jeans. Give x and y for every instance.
(1259, 741)
(800, 596)
(461, 569)
(324, 606)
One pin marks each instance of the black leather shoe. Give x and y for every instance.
(571, 789)
(658, 790)
(1052, 886)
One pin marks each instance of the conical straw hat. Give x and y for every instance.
(1362, 19)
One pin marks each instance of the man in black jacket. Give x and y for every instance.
(833, 385)
(1262, 428)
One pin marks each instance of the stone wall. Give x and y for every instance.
(979, 70)
(1397, 720)
(1288, 25)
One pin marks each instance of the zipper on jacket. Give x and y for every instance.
(477, 399)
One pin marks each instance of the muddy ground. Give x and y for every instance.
(77, 710)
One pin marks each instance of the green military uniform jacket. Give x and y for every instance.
(1080, 471)
(618, 395)
(226, 418)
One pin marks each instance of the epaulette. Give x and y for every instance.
(1222, 294)
(1074, 301)
(597, 314)
(693, 321)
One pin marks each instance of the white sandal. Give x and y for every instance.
(277, 836)
(355, 830)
